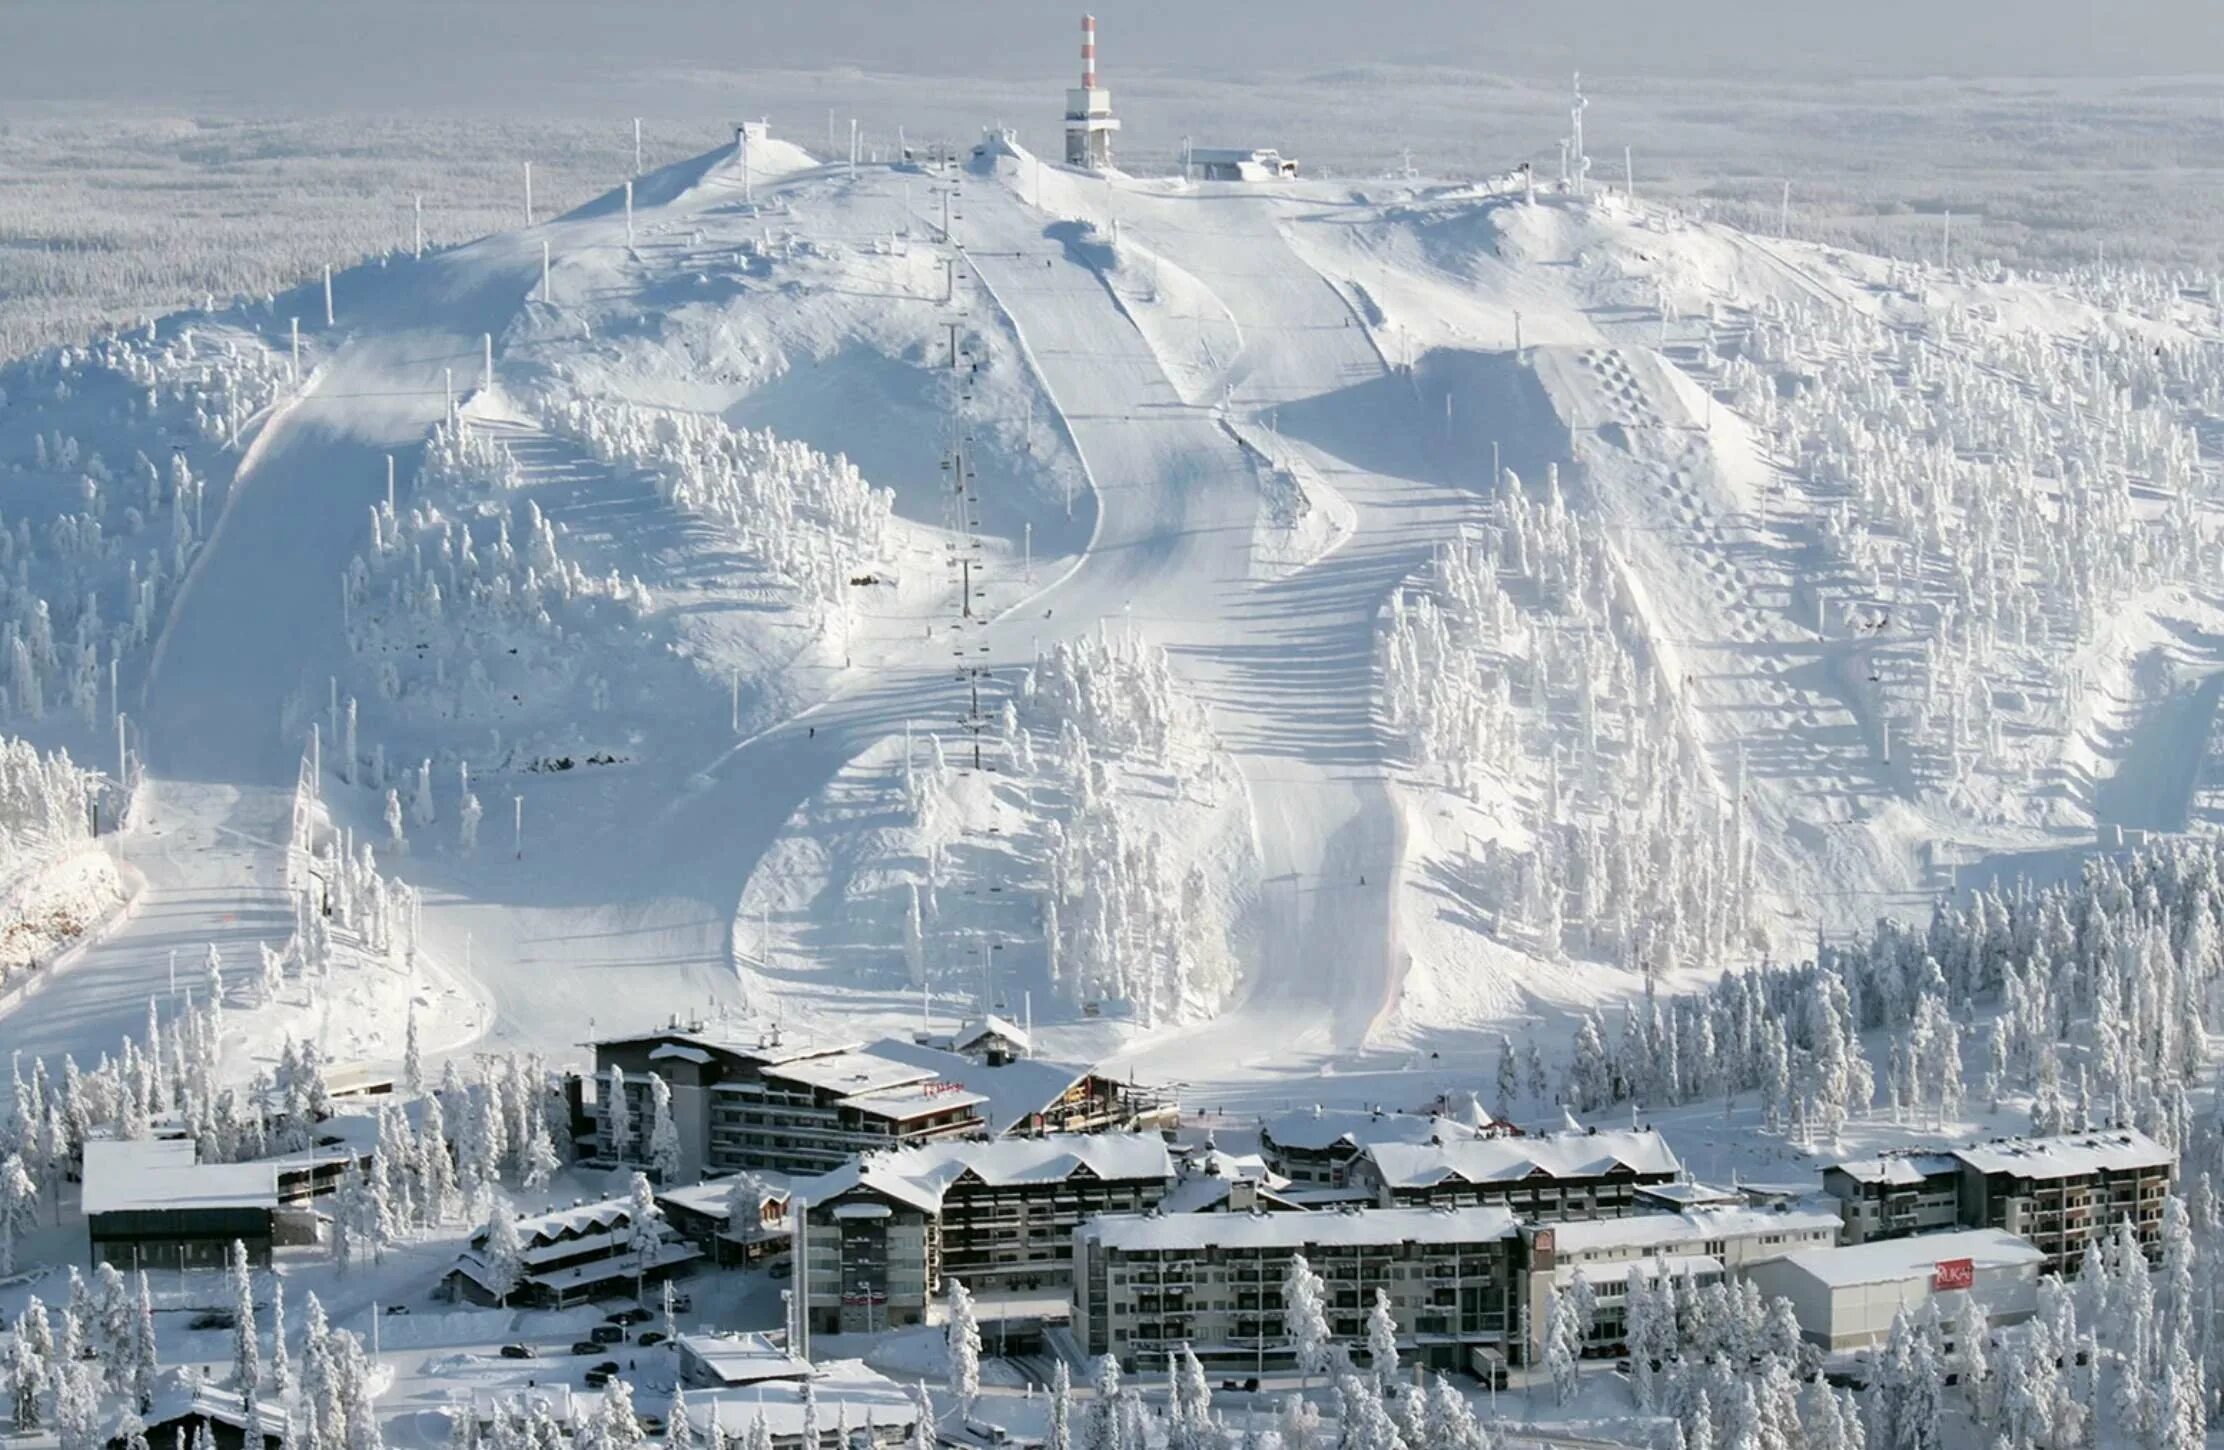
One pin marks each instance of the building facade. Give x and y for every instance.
(2058, 1192)
(1145, 1285)
(571, 1255)
(1703, 1245)
(1847, 1297)
(885, 1232)
(748, 1096)
(1315, 1147)
(150, 1204)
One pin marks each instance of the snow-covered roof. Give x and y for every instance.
(679, 1051)
(869, 1396)
(740, 1359)
(613, 1262)
(1010, 1094)
(1889, 1261)
(710, 1197)
(1317, 1129)
(1501, 1160)
(748, 1038)
(847, 1073)
(569, 1225)
(2113, 1150)
(990, 1026)
(565, 1405)
(1694, 1226)
(175, 1398)
(151, 1174)
(1142, 1232)
(1899, 1170)
(920, 1175)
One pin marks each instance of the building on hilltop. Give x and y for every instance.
(1090, 123)
(750, 1096)
(1702, 1244)
(882, 1234)
(1237, 163)
(1144, 1285)
(149, 1203)
(1550, 1176)
(570, 1255)
(2058, 1192)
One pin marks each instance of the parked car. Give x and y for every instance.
(397, 1308)
(628, 1316)
(212, 1319)
(606, 1334)
(651, 1424)
(586, 1346)
(516, 1351)
(597, 1378)
(781, 1268)
(649, 1337)
(682, 1304)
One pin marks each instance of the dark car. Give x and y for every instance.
(653, 1336)
(652, 1424)
(606, 1334)
(397, 1308)
(597, 1378)
(586, 1346)
(516, 1351)
(213, 1319)
(682, 1304)
(628, 1316)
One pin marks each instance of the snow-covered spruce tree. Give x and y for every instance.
(962, 1343)
(644, 1228)
(617, 1115)
(664, 1136)
(503, 1254)
(1305, 1317)
(1059, 1433)
(247, 1364)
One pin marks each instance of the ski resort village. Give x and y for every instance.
(922, 790)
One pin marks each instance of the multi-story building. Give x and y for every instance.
(885, 1231)
(745, 1096)
(2058, 1192)
(1546, 1177)
(1896, 1195)
(1315, 1147)
(703, 1213)
(1702, 1244)
(1144, 1285)
(150, 1203)
(570, 1255)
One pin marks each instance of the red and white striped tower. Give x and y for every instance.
(1089, 119)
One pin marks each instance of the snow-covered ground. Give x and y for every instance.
(1803, 580)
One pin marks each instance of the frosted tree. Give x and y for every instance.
(617, 1115)
(413, 1059)
(962, 1341)
(1382, 1343)
(664, 1136)
(146, 1359)
(1305, 1317)
(77, 1406)
(1563, 1344)
(503, 1254)
(1107, 1428)
(19, 1207)
(281, 1364)
(644, 1229)
(468, 816)
(247, 1364)
(679, 1430)
(421, 811)
(914, 939)
(1059, 1433)
(1971, 1330)
(617, 1427)
(397, 840)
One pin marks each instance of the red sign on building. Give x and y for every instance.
(1953, 1274)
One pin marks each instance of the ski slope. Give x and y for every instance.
(1236, 423)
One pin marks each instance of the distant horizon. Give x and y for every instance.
(250, 57)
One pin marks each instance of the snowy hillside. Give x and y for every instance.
(1240, 625)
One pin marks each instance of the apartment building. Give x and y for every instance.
(2057, 1192)
(1703, 1245)
(1546, 1177)
(1146, 1284)
(885, 1231)
(750, 1095)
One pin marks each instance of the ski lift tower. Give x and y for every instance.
(1089, 119)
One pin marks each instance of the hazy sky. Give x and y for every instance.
(268, 55)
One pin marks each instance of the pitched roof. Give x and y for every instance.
(1899, 1170)
(1503, 1160)
(1317, 1129)
(922, 1174)
(1698, 1225)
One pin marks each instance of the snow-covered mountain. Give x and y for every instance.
(1241, 627)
